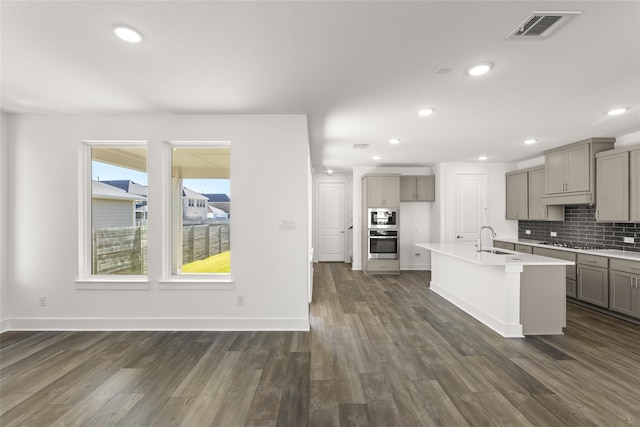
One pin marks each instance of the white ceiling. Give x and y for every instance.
(359, 70)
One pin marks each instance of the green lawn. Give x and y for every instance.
(220, 263)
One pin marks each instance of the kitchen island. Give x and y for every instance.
(514, 294)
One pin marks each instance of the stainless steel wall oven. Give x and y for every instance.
(383, 244)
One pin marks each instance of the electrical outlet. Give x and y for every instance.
(554, 234)
(527, 231)
(629, 240)
(42, 301)
(240, 300)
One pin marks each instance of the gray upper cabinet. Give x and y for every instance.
(612, 187)
(634, 202)
(517, 195)
(618, 184)
(570, 171)
(420, 188)
(537, 209)
(524, 192)
(382, 190)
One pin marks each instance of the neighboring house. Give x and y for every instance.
(220, 201)
(215, 213)
(194, 205)
(132, 187)
(112, 206)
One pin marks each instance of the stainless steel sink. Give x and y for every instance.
(496, 252)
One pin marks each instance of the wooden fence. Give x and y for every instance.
(119, 250)
(123, 250)
(202, 241)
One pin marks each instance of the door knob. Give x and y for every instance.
(458, 237)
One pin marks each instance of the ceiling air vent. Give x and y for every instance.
(542, 24)
(360, 145)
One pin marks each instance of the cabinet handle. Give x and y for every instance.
(589, 261)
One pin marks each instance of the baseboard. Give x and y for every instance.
(4, 325)
(504, 329)
(356, 266)
(156, 324)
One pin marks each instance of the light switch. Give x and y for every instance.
(287, 224)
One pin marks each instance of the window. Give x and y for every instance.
(200, 209)
(114, 237)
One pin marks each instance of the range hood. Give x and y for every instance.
(584, 198)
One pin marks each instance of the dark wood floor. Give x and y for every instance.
(383, 351)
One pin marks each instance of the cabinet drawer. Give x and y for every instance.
(625, 265)
(593, 260)
(524, 248)
(388, 265)
(503, 245)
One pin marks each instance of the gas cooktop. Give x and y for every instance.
(572, 246)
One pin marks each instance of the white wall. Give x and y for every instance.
(415, 220)
(443, 223)
(348, 220)
(269, 182)
(4, 212)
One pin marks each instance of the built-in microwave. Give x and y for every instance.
(383, 218)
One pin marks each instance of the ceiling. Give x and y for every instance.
(359, 71)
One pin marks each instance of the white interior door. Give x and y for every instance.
(470, 206)
(331, 221)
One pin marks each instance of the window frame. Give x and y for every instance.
(87, 280)
(169, 280)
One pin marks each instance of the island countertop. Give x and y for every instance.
(467, 251)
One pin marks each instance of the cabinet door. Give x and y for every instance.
(634, 212)
(375, 191)
(517, 196)
(391, 191)
(578, 169)
(593, 285)
(407, 189)
(426, 188)
(612, 187)
(622, 290)
(571, 288)
(555, 172)
(503, 245)
(537, 210)
(524, 248)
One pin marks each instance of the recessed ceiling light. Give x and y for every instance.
(482, 158)
(480, 69)
(394, 141)
(425, 112)
(329, 171)
(377, 157)
(127, 33)
(616, 111)
(530, 141)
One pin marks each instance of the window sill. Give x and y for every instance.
(114, 283)
(197, 282)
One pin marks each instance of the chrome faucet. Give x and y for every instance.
(479, 244)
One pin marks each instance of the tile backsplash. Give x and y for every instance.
(581, 229)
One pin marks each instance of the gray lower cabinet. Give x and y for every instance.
(503, 245)
(523, 248)
(572, 292)
(593, 280)
(624, 287)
